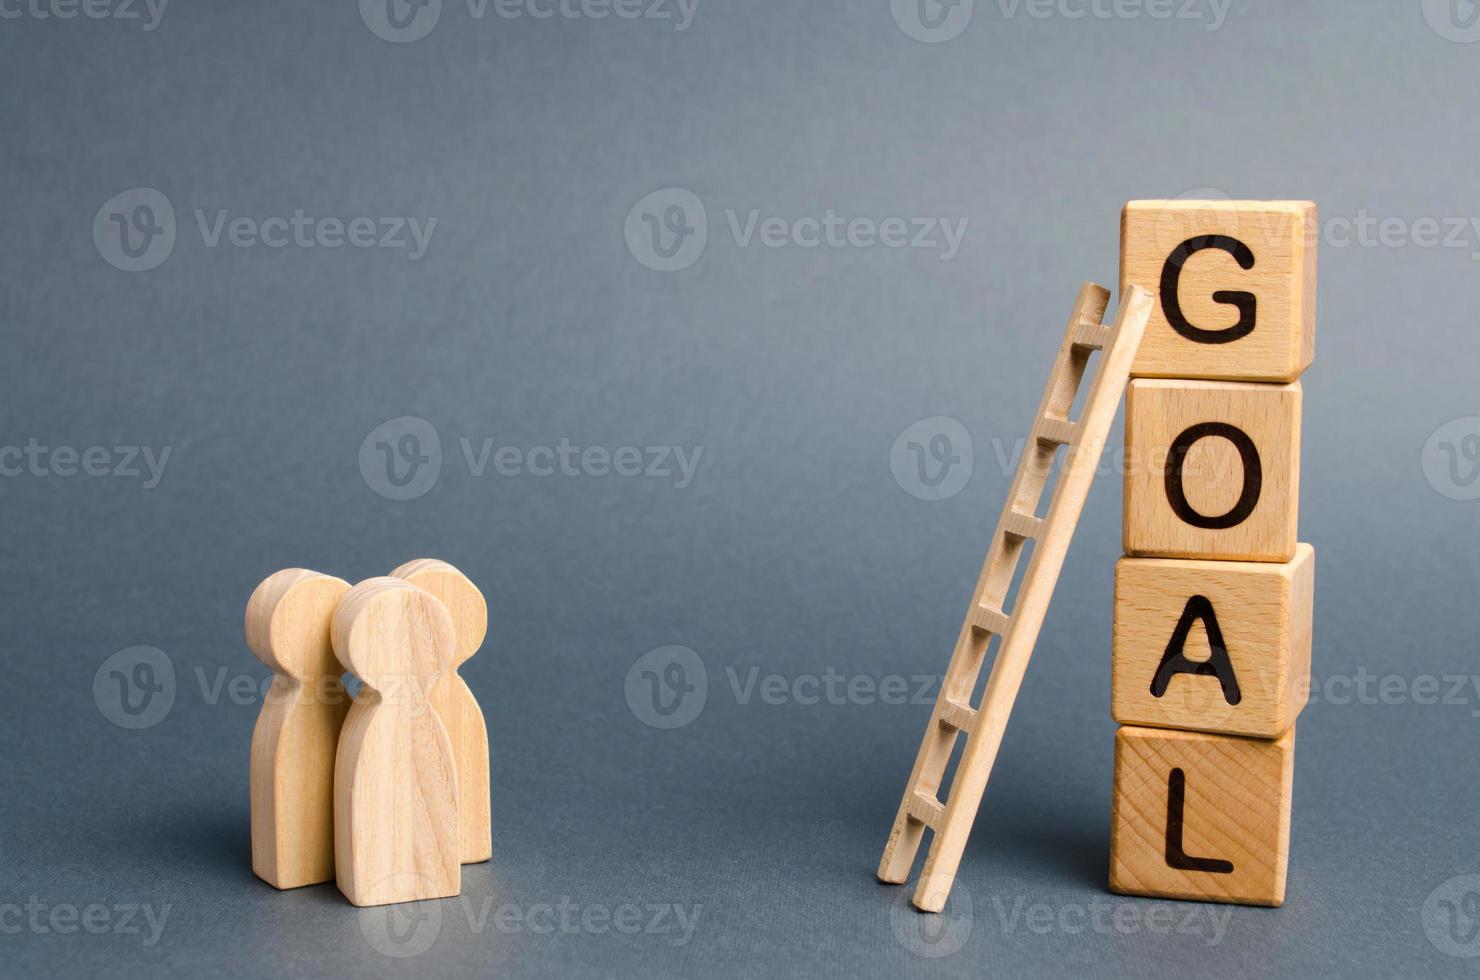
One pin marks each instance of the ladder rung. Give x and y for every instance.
(1090, 334)
(959, 716)
(1060, 431)
(926, 809)
(1021, 525)
(990, 620)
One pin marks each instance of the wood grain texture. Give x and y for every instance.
(395, 781)
(1235, 810)
(297, 731)
(454, 702)
(1242, 450)
(1280, 238)
(1017, 619)
(1259, 614)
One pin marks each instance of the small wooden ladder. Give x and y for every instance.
(987, 615)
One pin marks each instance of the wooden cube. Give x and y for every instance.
(1235, 283)
(1212, 646)
(1201, 816)
(1212, 470)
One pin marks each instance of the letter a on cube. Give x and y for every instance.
(1202, 817)
(1212, 646)
(1235, 283)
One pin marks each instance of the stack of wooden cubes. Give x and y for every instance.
(1211, 654)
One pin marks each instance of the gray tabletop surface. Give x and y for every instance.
(631, 312)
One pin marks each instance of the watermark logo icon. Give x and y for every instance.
(134, 230)
(932, 21)
(1453, 20)
(1173, 227)
(404, 930)
(400, 21)
(135, 688)
(666, 688)
(667, 230)
(147, 13)
(401, 459)
(1451, 459)
(933, 935)
(1451, 917)
(933, 458)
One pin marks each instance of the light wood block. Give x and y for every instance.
(1212, 470)
(454, 702)
(1212, 646)
(395, 779)
(1235, 283)
(1201, 816)
(297, 731)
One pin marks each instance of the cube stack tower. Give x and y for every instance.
(1212, 636)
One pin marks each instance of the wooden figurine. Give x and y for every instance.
(1200, 816)
(395, 780)
(1212, 470)
(454, 702)
(1212, 646)
(293, 743)
(1235, 283)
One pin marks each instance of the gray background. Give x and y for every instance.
(794, 550)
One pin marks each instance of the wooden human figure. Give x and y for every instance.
(454, 702)
(293, 744)
(395, 779)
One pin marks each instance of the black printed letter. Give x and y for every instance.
(1174, 661)
(1176, 857)
(1253, 475)
(1171, 274)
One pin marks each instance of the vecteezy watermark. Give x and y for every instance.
(1197, 469)
(933, 458)
(124, 462)
(1212, 12)
(1451, 459)
(1367, 689)
(933, 935)
(136, 230)
(1451, 917)
(1362, 229)
(1362, 688)
(146, 12)
(135, 687)
(95, 918)
(403, 21)
(401, 459)
(667, 230)
(1453, 20)
(832, 687)
(1358, 229)
(945, 933)
(932, 21)
(668, 687)
(405, 931)
(1110, 917)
